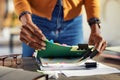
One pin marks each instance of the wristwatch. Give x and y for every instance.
(23, 13)
(92, 21)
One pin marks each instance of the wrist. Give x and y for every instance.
(93, 21)
(95, 28)
(25, 19)
(94, 24)
(23, 13)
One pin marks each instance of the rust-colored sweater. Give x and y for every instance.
(72, 8)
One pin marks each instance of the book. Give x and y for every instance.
(20, 74)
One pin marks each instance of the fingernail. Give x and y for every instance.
(43, 44)
(43, 48)
(43, 38)
(39, 49)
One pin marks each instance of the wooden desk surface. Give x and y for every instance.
(30, 64)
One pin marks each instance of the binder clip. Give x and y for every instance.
(90, 64)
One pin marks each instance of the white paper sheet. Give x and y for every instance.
(100, 70)
(73, 69)
(114, 48)
(62, 64)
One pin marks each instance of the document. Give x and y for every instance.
(114, 48)
(76, 69)
(100, 70)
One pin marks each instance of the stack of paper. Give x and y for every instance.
(75, 69)
(61, 63)
(100, 70)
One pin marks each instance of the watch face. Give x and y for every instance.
(94, 21)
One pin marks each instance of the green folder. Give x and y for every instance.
(58, 51)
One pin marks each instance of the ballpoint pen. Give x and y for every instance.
(94, 53)
(89, 54)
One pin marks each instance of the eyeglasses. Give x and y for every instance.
(4, 57)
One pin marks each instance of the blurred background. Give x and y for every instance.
(10, 25)
(9, 29)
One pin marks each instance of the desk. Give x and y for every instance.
(30, 64)
(14, 56)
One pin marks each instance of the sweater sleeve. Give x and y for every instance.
(92, 8)
(21, 6)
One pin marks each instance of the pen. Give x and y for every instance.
(94, 53)
(89, 54)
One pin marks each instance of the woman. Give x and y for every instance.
(60, 20)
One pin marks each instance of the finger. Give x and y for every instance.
(40, 35)
(32, 44)
(23, 40)
(26, 36)
(27, 29)
(36, 31)
(32, 35)
(103, 46)
(98, 46)
(24, 32)
(37, 46)
(33, 28)
(27, 39)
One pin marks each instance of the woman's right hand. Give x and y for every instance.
(31, 34)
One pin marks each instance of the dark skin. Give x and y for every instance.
(96, 39)
(33, 36)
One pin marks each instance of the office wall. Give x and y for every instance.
(110, 18)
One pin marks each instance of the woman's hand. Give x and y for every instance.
(31, 34)
(96, 39)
